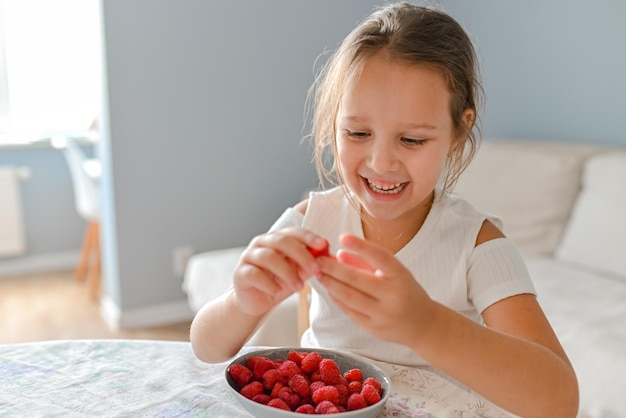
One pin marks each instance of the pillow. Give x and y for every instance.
(596, 234)
(530, 185)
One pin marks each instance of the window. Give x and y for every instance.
(50, 68)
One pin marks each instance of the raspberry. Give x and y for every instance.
(324, 251)
(316, 385)
(375, 383)
(370, 394)
(276, 389)
(300, 385)
(295, 357)
(326, 407)
(288, 369)
(290, 398)
(316, 376)
(311, 362)
(262, 398)
(240, 374)
(250, 362)
(306, 408)
(342, 389)
(252, 389)
(270, 378)
(356, 401)
(329, 370)
(279, 403)
(261, 365)
(355, 387)
(353, 374)
(326, 393)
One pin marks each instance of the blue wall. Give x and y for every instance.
(553, 70)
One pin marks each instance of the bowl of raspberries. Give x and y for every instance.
(289, 382)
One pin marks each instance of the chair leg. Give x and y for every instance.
(94, 279)
(303, 309)
(83, 264)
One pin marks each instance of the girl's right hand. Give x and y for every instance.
(273, 266)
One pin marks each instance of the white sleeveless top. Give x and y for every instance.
(442, 257)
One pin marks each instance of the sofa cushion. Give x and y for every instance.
(530, 185)
(587, 312)
(209, 275)
(596, 233)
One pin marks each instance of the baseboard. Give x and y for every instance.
(145, 317)
(39, 263)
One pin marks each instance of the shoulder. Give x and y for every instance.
(487, 232)
(318, 197)
(487, 226)
(302, 206)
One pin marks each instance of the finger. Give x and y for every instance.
(292, 243)
(338, 275)
(354, 260)
(349, 297)
(377, 257)
(360, 316)
(259, 292)
(278, 271)
(251, 277)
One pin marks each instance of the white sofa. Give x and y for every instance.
(564, 206)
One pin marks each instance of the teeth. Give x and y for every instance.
(387, 188)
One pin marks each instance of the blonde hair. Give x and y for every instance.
(416, 35)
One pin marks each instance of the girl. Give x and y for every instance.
(419, 277)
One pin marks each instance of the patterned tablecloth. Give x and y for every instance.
(135, 378)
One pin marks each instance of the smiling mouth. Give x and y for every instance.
(386, 188)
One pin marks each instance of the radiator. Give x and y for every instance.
(12, 237)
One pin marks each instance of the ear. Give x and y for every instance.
(467, 120)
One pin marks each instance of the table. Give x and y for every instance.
(141, 378)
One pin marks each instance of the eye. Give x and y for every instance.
(356, 134)
(413, 141)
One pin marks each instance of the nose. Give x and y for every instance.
(383, 156)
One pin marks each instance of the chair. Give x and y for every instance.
(85, 174)
(304, 303)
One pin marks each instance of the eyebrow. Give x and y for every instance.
(427, 126)
(424, 125)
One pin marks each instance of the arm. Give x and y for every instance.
(515, 360)
(270, 269)
(518, 363)
(520, 342)
(221, 328)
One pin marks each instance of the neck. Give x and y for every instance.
(396, 233)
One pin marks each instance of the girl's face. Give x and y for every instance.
(394, 132)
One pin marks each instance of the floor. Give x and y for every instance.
(56, 306)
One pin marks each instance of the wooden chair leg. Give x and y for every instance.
(303, 309)
(85, 254)
(94, 279)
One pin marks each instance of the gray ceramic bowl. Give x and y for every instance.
(345, 361)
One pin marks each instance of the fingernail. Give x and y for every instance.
(317, 241)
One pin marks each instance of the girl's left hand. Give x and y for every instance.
(376, 291)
